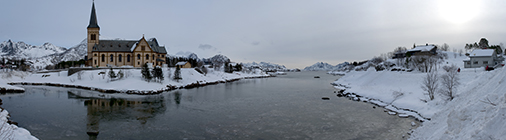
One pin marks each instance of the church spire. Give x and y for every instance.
(93, 17)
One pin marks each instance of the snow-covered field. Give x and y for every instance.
(131, 81)
(477, 112)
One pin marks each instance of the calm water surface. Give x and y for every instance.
(284, 107)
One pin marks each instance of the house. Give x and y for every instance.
(183, 65)
(482, 58)
(422, 50)
(136, 53)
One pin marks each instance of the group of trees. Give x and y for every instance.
(171, 61)
(157, 74)
(483, 44)
(229, 68)
(449, 82)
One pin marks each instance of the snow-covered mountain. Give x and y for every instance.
(265, 65)
(186, 54)
(44, 55)
(217, 59)
(20, 50)
(322, 66)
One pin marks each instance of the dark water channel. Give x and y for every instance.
(283, 107)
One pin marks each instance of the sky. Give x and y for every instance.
(294, 33)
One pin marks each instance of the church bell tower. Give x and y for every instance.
(93, 32)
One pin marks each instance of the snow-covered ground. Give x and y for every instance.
(131, 81)
(477, 112)
(11, 131)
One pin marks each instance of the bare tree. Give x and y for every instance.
(461, 52)
(450, 81)
(445, 47)
(430, 84)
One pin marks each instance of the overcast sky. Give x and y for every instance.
(295, 33)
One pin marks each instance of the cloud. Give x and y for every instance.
(206, 47)
(255, 43)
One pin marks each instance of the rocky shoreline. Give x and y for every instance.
(138, 92)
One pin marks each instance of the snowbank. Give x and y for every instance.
(477, 112)
(11, 131)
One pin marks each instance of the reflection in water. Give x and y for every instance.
(177, 97)
(101, 109)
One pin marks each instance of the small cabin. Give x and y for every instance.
(183, 65)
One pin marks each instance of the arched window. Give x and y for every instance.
(112, 57)
(138, 56)
(103, 57)
(147, 56)
(128, 58)
(119, 58)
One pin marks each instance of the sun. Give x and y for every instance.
(458, 11)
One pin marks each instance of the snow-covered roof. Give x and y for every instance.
(481, 52)
(181, 63)
(424, 48)
(466, 59)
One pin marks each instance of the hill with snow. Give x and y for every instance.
(265, 65)
(321, 66)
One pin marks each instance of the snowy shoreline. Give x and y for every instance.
(139, 92)
(132, 84)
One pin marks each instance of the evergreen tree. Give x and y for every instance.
(120, 74)
(177, 74)
(112, 75)
(145, 72)
(158, 74)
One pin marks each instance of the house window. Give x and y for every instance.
(93, 37)
(468, 63)
(128, 58)
(147, 56)
(475, 62)
(119, 58)
(103, 57)
(112, 57)
(138, 56)
(485, 62)
(143, 48)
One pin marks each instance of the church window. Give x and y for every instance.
(95, 54)
(143, 48)
(103, 58)
(112, 57)
(119, 58)
(162, 55)
(128, 58)
(93, 37)
(119, 45)
(95, 62)
(111, 45)
(147, 56)
(138, 56)
(153, 57)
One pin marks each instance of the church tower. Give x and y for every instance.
(93, 32)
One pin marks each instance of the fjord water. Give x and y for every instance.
(283, 107)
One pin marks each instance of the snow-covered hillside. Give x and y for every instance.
(477, 112)
(321, 66)
(20, 50)
(75, 53)
(217, 59)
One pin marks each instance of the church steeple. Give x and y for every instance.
(93, 17)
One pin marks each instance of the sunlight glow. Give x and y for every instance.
(458, 11)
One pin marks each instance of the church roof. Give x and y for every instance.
(93, 18)
(125, 46)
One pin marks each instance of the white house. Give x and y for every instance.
(482, 58)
